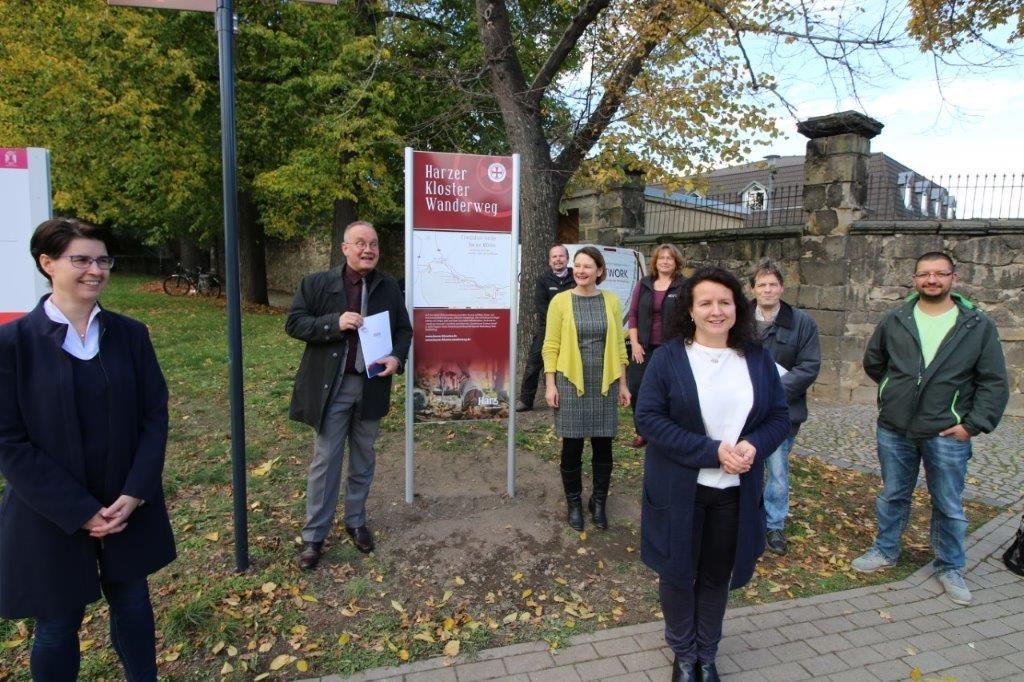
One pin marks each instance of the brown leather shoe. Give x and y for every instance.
(639, 441)
(310, 555)
(362, 538)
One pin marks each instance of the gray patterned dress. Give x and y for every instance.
(590, 414)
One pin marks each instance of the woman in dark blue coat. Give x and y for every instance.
(712, 407)
(83, 427)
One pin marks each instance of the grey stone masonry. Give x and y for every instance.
(790, 640)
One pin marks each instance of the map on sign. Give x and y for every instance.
(461, 269)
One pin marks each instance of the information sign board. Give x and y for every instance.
(460, 284)
(24, 203)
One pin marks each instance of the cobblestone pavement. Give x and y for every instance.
(883, 632)
(845, 436)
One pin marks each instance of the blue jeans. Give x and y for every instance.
(776, 485)
(55, 656)
(945, 468)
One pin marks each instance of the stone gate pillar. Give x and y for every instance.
(835, 194)
(836, 170)
(615, 213)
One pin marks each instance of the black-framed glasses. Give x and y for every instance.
(943, 274)
(84, 262)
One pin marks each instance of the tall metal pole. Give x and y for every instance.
(229, 161)
(513, 331)
(410, 373)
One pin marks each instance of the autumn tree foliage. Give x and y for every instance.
(666, 87)
(948, 25)
(328, 96)
(127, 100)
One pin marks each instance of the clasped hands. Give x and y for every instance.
(736, 459)
(112, 519)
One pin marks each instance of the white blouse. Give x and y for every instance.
(726, 396)
(82, 348)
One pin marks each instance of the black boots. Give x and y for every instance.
(573, 485)
(707, 671)
(684, 671)
(596, 504)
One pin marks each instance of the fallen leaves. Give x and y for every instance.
(264, 469)
(281, 661)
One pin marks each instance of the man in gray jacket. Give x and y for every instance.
(792, 338)
(941, 381)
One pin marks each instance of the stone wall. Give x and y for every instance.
(848, 282)
(879, 264)
(611, 215)
(847, 272)
(288, 261)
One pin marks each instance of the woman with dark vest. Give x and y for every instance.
(83, 427)
(712, 408)
(653, 301)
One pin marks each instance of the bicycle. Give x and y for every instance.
(188, 280)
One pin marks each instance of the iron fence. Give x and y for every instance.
(979, 196)
(678, 212)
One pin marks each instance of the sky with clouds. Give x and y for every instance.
(964, 120)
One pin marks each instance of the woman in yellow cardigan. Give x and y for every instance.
(584, 354)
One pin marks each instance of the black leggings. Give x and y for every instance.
(572, 451)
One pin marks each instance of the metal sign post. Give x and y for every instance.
(225, 20)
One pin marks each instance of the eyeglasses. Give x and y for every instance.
(363, 245)
(942, 274)
(84, 262)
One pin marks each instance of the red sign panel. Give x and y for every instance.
(13, 157)
(457, 373)
(461, 192)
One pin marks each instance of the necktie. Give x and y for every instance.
(360, 363)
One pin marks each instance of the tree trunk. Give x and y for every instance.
(344, 213)
(541, 184)
(190, 255)
(538, 221)
(251, 252)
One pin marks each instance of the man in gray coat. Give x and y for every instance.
(792, 338)
(335, 391)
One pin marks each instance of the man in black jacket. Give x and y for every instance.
(941, 381)
(337, 391)
(547, 285)
(792, 338)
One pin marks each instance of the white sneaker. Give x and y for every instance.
(870, 561)
(956, 588)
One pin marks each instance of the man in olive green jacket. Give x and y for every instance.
(941, 381)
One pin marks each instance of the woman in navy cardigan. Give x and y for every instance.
(712, 408)
(83, 427)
